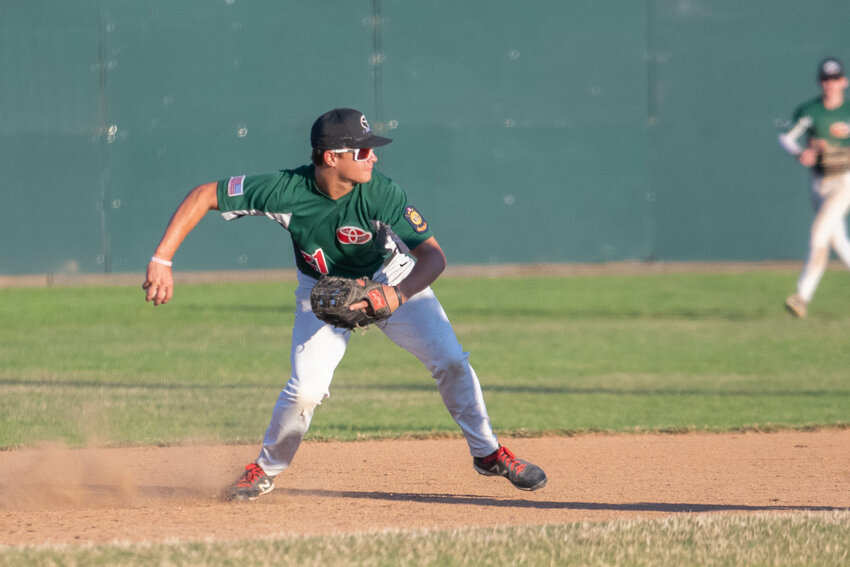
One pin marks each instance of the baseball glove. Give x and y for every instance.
(835, 160)
(332, 296)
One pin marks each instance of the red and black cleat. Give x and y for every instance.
(253, 483)
(522, 474)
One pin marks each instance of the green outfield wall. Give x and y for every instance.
(525, 131)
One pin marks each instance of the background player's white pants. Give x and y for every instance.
(419, 326)
(831, 202)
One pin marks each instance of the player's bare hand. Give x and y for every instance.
(809, 157)
(159, 283)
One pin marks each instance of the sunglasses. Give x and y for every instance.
(360, 154)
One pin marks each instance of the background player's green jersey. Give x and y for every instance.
(349, 237)
(819, 122)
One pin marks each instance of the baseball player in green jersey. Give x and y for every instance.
(345, 219)
(824, 125)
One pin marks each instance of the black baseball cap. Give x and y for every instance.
(830, 68)
(344, 128)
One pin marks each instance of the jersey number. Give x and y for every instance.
(316, 260)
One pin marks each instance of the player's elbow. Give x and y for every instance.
(437, 264)
(440, 261)
(431, 254)
(790, 145)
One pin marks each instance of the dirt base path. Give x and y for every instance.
(55, 495)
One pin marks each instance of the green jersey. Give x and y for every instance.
(349, 237)
(816, 121)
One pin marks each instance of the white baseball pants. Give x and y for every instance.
(420, 326)
(831, 202)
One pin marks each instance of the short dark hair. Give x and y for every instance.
(318, 157)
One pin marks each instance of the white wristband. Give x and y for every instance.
(161, 261)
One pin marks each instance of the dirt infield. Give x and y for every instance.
(56, 495)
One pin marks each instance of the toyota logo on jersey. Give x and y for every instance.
(840, 130)
(353, 235)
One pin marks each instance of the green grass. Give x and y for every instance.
(705, 540)
(96, 365)
(717, 352)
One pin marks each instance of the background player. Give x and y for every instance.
(824, 123)
(347, 220)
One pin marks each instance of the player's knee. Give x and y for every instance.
(303, 398)
(451, 366)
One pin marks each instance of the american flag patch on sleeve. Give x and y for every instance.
(234, 186)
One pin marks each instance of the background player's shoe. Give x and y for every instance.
(253, 483)
(796, 305)
(522, 474)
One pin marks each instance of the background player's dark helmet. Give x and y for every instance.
(830, 68)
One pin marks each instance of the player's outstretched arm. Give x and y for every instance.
(159, 283)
